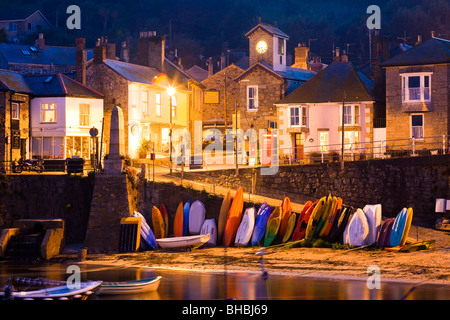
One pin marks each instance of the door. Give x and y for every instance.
(298, 146)
(23, 148)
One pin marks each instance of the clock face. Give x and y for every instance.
(261, 46)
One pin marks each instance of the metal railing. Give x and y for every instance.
(51, 166)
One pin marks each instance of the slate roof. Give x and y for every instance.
(272, 30)
(431, 51)
(59, 85)
(13, 81)
(289, 73)
(198, 73)
(329, 85)
(133, 72)
(62, 56)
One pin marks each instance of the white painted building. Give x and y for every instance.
(310, 118)
(62, 113)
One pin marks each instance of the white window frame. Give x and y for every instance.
(302, 116)
(158, 110)
(174, 106)
(323, 135)
(254, 98)
(411, 125)
(355, 115)
(15, 112)
(351, 138)
(144, 103)
(84, 115)
(422, 92)
(48, 110)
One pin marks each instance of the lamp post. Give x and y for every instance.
(171, 93)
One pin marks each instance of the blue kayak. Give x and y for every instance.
(186, 209)
(261, 223)
(398, 228)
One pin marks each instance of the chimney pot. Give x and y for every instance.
(40, 42)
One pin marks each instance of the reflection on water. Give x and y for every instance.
(183, 285)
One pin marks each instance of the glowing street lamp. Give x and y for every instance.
(171, 93)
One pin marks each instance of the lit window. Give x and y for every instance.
(84, 114)
(144, 102)
(252, 98)
(351, 139)
(15, 112)
(48, 112)
(323, 141)
(174, 106)
(158, 104)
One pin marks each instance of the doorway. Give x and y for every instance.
(298, 143)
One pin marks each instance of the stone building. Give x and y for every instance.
(14, 117)
(418, 95)
(141, 91)
(255, 89)
(310, 118)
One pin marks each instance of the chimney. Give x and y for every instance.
(419, 40)
(337, 56)
(344, 57)
(301, 56)
(40, 42)
(151, 50)
(99, 54)
(432, 33)
(124, 52)
(210, 67)
(223, 61)
(80, 58)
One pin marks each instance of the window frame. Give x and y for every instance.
(406, 90)
(15, 111)
(302, 116)
(254, 98)
(354, 116)
(84, 115)
(48, 110)
(422, 115)
(158, 110)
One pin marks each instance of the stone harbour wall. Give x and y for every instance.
(395, 183)
(47, 197)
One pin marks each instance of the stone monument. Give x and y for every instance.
(113, 194)
(114, 164)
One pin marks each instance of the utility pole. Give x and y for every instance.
(225, 100)
(236, 136)
(343, 124)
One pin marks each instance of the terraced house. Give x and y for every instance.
(418, 97)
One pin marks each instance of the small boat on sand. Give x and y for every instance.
(129, 287)
(187, 242)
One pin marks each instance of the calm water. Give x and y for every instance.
(181, 285)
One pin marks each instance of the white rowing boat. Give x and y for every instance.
(129, 287)
(186, 242)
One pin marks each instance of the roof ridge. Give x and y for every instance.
(61, 82)
(80, 84)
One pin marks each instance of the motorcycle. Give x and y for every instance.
(28, 165)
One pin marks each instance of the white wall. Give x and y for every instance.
(277, 66)
(39, 129)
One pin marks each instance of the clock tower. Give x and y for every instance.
(267, 44)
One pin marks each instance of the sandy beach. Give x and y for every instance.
(427, 266)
